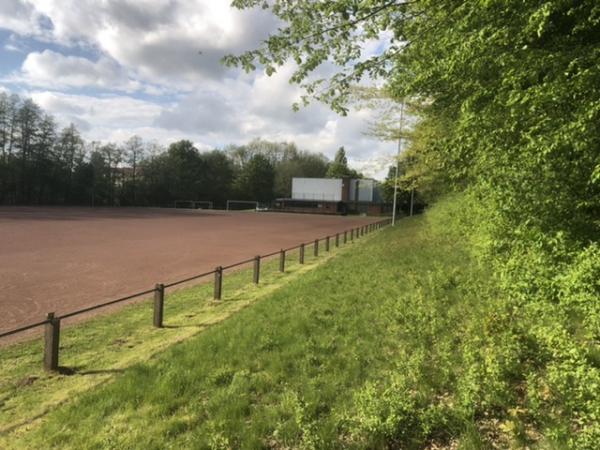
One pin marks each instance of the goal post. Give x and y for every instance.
(241, 205)
(203, 204)
(193, 204)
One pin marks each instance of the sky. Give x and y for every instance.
(116, 68)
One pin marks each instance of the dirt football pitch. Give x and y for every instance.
(63, 259)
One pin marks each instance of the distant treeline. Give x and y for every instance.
(41, 164)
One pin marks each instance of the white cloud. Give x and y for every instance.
(52, 69)
(20, 16)
(108, 114)
(161, 40)
(174, 47)
(210, 125)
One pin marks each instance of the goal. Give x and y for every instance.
(193, 204)
(238, 205)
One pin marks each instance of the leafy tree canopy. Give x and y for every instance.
(338, 168)
(255, 182)
(511, 89)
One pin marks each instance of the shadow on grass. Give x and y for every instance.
(70, 371)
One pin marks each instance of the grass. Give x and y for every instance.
(99, 350)
(362, 353)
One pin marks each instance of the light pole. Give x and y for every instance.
(398, 162)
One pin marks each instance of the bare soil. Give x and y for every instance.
(63, 259)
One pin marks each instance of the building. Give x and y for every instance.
(334, 196)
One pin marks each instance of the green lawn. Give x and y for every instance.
(363, 352)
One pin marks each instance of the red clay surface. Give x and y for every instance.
(64, 259)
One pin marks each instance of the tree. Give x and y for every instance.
(297, 164)
(134, 151)
(112, 156)
(286, 159)
(255, 181)
(28, 121)
(184, 167)
(510, 92)
(218, 177)
(8, 125)
(335, 31)
(339, 167)
(69, 145)
(43, 165)
(490, 71)
(44, 178)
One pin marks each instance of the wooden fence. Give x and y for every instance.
(52, 321)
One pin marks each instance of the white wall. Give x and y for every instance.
(317, 189)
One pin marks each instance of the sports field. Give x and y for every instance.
(62, 259)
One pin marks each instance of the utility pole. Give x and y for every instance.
(398, 162)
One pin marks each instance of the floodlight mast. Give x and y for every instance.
(400, 128)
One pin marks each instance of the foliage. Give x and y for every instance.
(255, 181)
(301, 164)
(403, 199)
(287, 160)
(509, 95)
(40, 164)
(338, 168)
(313, 33)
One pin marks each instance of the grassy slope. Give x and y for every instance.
(364, 352)
(98, 350)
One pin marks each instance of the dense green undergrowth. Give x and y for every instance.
(410, 341)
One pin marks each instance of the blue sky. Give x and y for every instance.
(152, 67)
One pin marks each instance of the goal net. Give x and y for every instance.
(193, 204)
(239, 205)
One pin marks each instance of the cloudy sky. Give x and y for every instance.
(151, 67)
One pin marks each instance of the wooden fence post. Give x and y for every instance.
(282, 260)
(316, 247)
(337, 239)
(345, 237)
(301, 254)
(352, 234)
(51, 342)
(218, 283)
(256, 269)
(327, 244)
(159, 302)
